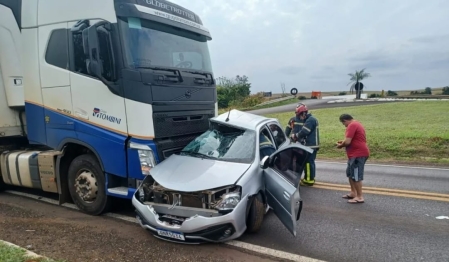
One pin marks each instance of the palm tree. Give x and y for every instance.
(355, 80)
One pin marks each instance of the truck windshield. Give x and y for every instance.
(223, 143)
(151, 44)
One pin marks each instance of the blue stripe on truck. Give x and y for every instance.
(109, 145)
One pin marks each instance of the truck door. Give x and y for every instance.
(282, 174)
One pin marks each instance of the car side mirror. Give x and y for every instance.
(264, 162)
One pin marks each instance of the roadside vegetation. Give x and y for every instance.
(14, 254)
(235, 93)
(274, 104)
(408, 132)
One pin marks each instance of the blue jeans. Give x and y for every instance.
(310, 168)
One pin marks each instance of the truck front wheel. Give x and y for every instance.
(87, 185)
(2, 184)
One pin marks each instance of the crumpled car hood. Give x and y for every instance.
(185, 173)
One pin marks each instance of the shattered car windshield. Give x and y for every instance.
(224, 143)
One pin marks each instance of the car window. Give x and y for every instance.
(290, 164)
(266, 145)
(278, 134)
(224, 143)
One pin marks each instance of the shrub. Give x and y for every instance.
(302, 98)
(445, 90)
(391, 93)
(252, 100)
(373, 95)
(342, 93)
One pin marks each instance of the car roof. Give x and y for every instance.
(242, 119)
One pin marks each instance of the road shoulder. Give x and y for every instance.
(65, 234)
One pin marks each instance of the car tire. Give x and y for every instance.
(256, 214)
(87, 167)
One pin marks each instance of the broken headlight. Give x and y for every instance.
(146, 157)
(228, 201)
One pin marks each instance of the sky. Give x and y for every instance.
(314, 44)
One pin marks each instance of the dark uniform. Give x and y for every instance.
(294, 125)
(311, 133)
(307, 133)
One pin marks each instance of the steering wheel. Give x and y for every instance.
(185, 64)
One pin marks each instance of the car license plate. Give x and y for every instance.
(170, 234)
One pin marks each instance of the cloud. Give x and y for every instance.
(314, 44)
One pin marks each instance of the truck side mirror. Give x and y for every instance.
(92, 51)
(99, 54)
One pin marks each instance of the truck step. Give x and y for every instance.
(30, 168)
(119, 190)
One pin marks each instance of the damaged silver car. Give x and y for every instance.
(223, 182)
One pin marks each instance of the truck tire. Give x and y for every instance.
(2, 184)
(255, 215)
(87, 185)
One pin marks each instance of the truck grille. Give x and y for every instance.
(168, 146)
(176, 124)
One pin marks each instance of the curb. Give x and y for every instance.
(28, 253)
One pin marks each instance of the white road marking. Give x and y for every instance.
(243, 245)
(271, 252)
(409, 167)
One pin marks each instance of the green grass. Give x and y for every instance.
(280, 103)
(13, 254)
(409, 132)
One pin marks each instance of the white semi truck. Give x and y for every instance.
(94, 93)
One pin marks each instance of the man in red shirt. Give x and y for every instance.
(358, 152)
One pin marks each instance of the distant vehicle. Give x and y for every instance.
(220, 185)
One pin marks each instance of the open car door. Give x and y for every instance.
(282, 174)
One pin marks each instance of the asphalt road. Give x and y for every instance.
(408, 178)
(389, 226)
(384, 228)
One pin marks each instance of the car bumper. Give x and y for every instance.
(195, 229)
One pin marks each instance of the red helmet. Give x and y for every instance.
(301, 108)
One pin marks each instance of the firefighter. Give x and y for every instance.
(309, 136)
(294, 125)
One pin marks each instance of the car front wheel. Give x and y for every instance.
(255, 215)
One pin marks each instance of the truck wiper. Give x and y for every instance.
(176, 71)
(201, 73)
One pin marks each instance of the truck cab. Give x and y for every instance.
(102, 91)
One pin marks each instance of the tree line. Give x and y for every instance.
(236, 92)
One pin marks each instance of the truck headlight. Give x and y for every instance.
(229, 201)
(146, 157)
